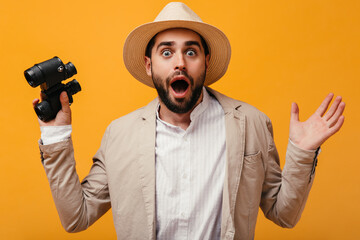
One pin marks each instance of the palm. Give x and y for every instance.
(319, 127)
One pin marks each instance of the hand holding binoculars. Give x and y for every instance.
(49, 75)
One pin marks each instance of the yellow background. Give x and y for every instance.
(282, 51)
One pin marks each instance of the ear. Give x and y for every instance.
(148, 66)
(207, 59)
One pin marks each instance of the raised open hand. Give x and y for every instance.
(309, 135)
(63, 117)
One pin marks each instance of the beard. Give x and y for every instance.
(182, 105)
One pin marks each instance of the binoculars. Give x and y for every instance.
(49, 75)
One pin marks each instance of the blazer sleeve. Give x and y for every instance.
(79, 205)
(285, 192)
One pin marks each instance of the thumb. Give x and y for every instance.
(64, 100)
(294, 112)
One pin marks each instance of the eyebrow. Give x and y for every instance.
(190, 43)
(171, 43)
(165, 44)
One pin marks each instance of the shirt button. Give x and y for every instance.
(183, 214)
(184, 176)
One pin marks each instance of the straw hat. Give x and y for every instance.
(176, 15)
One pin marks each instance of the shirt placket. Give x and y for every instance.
(184, 177)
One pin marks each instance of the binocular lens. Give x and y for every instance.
(34, 76)
(73, 87)
(44, 111)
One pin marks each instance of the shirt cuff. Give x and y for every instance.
(55, 134)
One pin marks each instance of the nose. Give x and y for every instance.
(180, 63)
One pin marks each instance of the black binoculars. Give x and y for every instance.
(49, 75)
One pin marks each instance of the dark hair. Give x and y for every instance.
(151, 44)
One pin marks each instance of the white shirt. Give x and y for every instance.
(190, 172)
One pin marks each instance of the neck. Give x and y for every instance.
(181, 120)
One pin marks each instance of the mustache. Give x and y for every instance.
(178, 73)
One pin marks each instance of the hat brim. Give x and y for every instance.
(137, 41)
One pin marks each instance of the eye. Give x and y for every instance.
(166, 53)
(191, 52)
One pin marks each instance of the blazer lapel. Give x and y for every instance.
(146, 162)
(235, 147)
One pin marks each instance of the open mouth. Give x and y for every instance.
(179, 86)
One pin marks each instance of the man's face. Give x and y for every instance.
(178, 68)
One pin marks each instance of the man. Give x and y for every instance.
(192, 164)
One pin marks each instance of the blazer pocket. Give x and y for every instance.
(249, 194)
(253, 158)
(252, 178)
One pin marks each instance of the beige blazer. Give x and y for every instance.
(123, 176)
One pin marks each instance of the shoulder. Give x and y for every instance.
(135, 118)
(255, 120)
(128, 118)
(258, 126)
(233, 105)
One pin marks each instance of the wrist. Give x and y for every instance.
(304, 146)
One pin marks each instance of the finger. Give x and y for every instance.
(324, 105)
(35, 102)
(294, 112)
(337, 126)
(334, 119)
(64, 100)
(333, 108)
